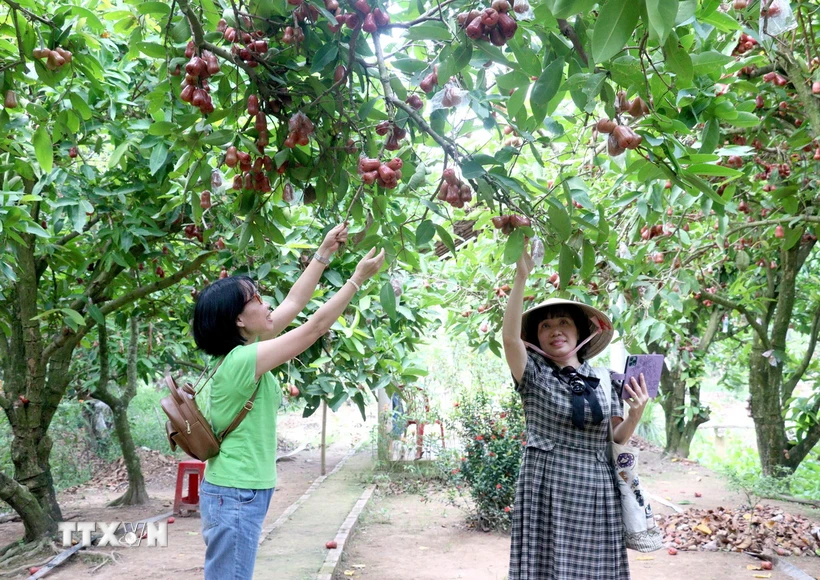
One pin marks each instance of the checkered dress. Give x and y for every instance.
(566, 523)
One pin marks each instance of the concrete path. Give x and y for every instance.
(294, 546)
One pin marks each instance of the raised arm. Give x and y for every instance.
(514, 349)
(276, 351)
(301, 292)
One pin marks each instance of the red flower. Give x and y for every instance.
(479, 438)
(507, 509)
(498, 486)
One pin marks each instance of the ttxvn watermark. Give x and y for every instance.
(116, 534)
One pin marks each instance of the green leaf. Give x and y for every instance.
(80, 106)
(514, 247)
(545, 88)
(446, 239)
(744, 119)
(425, 232)
(158, 157)
(566, 265)
(158, 8)
(471, 170)
(387, 296)
(324, 56)
(409, 65)
(616, 22)
(91, 19)
(151, 49)
(710, 61)
(43, 149)
(96, 313)
(713, 170)
(219, 137)
(162, 128)
(567, 8)
(560, 221)
(429, 31)
(711, 136)
(678, 62)
(74, 315)
(662, 14)
(117, 154)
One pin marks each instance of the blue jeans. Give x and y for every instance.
(231, 525)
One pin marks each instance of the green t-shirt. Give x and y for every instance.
(247, 456)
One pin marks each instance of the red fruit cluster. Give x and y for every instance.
(394, 134)
(10, 102)
(429, 82)
(301, 128)
(620, 138)
(73, 152)
(733, 161)
(414, 101)
(385, 174)
(195, 88)
(636, 108)
(369, 20)
(492, 24)
(254, 43)
(647, 232)
(251, 176)
(193, 231)
(293, 35)
(453, 190)
(775, 79)
(54, 58)
(304, 11)
(744, 44)
(507, 223)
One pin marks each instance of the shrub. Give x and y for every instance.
(486, 467)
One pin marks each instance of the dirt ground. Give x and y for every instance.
(401, 538)
(182, 559)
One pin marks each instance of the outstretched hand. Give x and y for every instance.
(334, 238)
(369, 265)
(525, 264)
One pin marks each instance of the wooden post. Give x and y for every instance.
(324, 435)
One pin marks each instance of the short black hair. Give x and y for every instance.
(557, 311)
(218, 305)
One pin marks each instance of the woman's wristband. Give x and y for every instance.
(355, 284)
(321, 259)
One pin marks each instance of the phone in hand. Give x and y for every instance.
(651, 365)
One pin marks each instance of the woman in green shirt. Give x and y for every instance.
(232, 322)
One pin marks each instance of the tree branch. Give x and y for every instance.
(29, 14)
(759, 329)
(711, 330)
(63, 338)
(572, 35)
(791, 384)
(131, 364)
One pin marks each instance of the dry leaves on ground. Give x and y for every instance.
(765, 529)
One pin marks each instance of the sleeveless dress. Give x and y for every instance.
(567, 521)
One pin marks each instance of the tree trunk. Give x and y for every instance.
(136, 493)
(764, 388)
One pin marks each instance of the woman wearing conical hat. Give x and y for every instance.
(567, 522)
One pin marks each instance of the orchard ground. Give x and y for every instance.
(400, 535)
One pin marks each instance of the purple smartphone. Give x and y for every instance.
(651, 365)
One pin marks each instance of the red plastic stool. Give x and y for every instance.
(195, 472)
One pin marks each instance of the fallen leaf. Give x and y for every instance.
(762, 576)
(704, 528)
(753, 567)
(423, 548)
(349, 572)
(642, 558)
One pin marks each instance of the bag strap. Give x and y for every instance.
(610, 435)
(241, 415)
(242, 412)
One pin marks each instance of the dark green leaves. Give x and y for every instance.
(42, 149)
(545, 88)
(616, 22)
(662, 14)
(387, 296)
